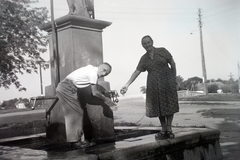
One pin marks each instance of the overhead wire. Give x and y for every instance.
(207, 19)
(172, 14)
(147, 12)
(215, 40)
(222, 9)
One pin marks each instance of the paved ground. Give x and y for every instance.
(221, 115)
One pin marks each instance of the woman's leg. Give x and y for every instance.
(162, 133)
(163, 123)
(169, 120)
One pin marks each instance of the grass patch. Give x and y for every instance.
(17, 110)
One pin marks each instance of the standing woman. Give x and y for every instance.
(161, 93)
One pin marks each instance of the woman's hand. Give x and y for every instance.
(124, 90)
(132, 78)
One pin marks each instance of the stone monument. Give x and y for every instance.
(79, 39)
(81, 8)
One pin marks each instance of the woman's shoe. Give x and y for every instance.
(86, 144)
(82, 144)
(161, 135)
(170, 135)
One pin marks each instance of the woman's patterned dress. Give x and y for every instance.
(161, 94)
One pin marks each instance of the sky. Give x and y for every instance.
(172, 24)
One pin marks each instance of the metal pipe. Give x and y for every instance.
(55, 46)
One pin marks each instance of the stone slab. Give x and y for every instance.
(189, 144)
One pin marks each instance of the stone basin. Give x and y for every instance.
(131, 143)
(40, 142)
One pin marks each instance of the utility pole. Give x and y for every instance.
(202, 54)
(41, 83)
(231, 76)
(55, 46)
(238, 78)
(41, 65)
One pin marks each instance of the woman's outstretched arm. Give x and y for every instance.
(130, 81)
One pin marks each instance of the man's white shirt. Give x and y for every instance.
(84, 76)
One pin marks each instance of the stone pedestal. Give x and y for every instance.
(79, 42)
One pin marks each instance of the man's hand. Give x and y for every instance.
(109, 102)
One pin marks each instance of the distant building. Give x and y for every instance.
(20, 104)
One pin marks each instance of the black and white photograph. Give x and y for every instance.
(120, 79)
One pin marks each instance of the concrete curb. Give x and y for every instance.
(210, 102)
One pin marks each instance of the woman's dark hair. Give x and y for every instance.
(147, 36)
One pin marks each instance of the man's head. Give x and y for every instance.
(147, 43)
(104, 69)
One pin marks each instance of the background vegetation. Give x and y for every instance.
(21, 41)
(195, 84)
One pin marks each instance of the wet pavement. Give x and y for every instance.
(193, 115)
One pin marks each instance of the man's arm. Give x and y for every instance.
(97, 93)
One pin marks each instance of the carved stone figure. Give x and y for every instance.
(81, 8)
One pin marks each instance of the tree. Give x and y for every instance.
(212, 88)
(10, 104)
(180, 84)
(222, 81)
(143, 89)
(226, 89)
(234, 86)
(21, 41)
(190, 82)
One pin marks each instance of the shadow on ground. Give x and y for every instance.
(230, 130)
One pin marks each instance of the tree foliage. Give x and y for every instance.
(191, 82)
(227, 86)
(180, 84)
(234, 87)
(143, 89)
(212, 88)
(21, 41)
(11, 104)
